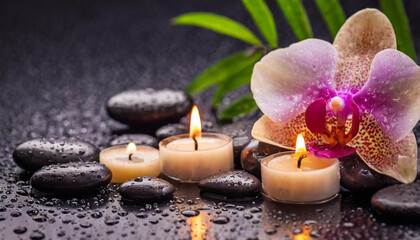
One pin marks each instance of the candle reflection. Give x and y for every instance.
(303, 236)
(198, 227)
(302, 222)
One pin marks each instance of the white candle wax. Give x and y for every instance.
(144, 162)
(316, 181)
(181, 161)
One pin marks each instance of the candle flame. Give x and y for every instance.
(300, 145)
(131, 148)
(300, 151)
(195, 123)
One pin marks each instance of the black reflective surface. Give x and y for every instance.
(60, 62)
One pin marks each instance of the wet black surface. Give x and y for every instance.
(60, 62)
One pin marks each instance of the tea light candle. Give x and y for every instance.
(192, 157)
(300, 177)
(131, 161)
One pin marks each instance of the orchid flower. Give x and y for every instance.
(357, 95)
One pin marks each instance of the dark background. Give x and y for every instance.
(61, 60)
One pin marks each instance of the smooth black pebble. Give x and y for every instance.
(254, 152)
(71, 178)
(398, 202)
(138, 139)
(150, 107)
(231, 184)
(34, 154)
(146, 189)
(355, 175)
(171, 130)
(240, 132)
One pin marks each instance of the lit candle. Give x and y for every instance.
(300, 177)
(131, 161)
(192, 157)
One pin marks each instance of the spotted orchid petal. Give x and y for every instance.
(382, 154)
(392, 93)
(361, 37)
(287, 80)
(282, 134)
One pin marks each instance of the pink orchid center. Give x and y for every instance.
(336, 137)
(337, 104)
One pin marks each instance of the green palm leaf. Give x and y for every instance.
(296, 16)
(240, 106)
(217, 23)
(263, 19)
(239, 79)
(222, 70)
(332, 13)
(394, 10)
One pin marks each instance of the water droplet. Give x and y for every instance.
(190, 213)
(270, 231)
(20, 230)
(221, 220)
(37, 235)
(111, 222)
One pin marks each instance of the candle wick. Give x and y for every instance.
(195, 144)
(129, 156)
(299, 163)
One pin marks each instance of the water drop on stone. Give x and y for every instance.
(96, 215)
(190, 213)
(37, 235)
(315, 234)
(15, 214)
(221, 220)
(270, 231)
(141, 215)
(111, 222)
(20, 230)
